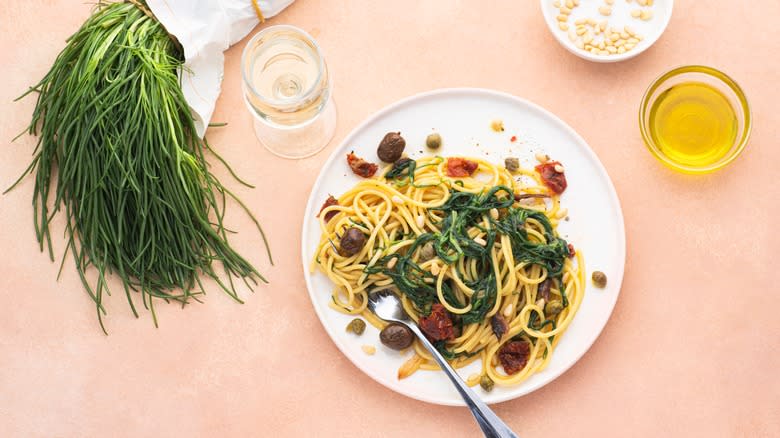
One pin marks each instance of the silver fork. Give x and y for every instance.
(387, 306)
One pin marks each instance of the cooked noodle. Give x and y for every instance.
(474, 275)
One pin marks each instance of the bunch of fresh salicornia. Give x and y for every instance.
(117, 146)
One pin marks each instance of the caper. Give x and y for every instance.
(599, 278)
(512, 164)
(356, 326)
(486, 383)
(427, 252)
(433, 141)
(553, 308)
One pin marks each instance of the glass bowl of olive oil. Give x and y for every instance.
(695, 119)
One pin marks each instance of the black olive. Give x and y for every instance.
(396, 336)
(391, 147)
(352, 241)
(543, 290)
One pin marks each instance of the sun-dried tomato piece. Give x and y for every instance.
(328, 202)
(572, 251)
(361, 167)
(438, 325)
(553, 179)
(460, 167)
(499, 326)
(514, 356)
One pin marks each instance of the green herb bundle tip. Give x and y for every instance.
(118, 154)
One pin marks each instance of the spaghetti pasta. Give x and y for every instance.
(483, 246)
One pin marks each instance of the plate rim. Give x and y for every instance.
(311, 205)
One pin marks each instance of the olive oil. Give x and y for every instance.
(693, 124)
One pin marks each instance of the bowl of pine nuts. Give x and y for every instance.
(607, 30)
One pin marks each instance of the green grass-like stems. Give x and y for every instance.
(115, 131)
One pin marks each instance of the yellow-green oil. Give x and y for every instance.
(693, 124)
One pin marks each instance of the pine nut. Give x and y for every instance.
(435, 269)
(636, 13)
(632, 40)
(572, 35)
(562, 213)
(480, 241)
(392, 262)
(614, 37)
(580, 21)
(621, 50)
(562, 17)
(563, 26)
(624, 35)
(629, 46)
(649, 2)
(594, 50)
(591, 21)
(609, 2)
(494, 213)
(612, 49)
(581, 30)
(603, 25)
(558, 168)
(629, 30)
(642, 2)
(605, 10)
(587, 38)
(508, 310)
(620, 43)
(646, 14)
(540, 302)
(601, 45)
(576, 2)
(570, 4)
(369, 349)
(420, 221)
(557, 4)
(565, 11)
(542, 158)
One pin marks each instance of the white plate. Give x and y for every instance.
(463, 117)
(651, 29)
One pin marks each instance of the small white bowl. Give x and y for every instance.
(650, 30)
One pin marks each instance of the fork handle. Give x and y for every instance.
(488, 421)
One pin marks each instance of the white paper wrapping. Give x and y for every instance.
(205, 29)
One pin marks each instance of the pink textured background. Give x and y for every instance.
(691, 350)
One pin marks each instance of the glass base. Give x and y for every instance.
(297, 141)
